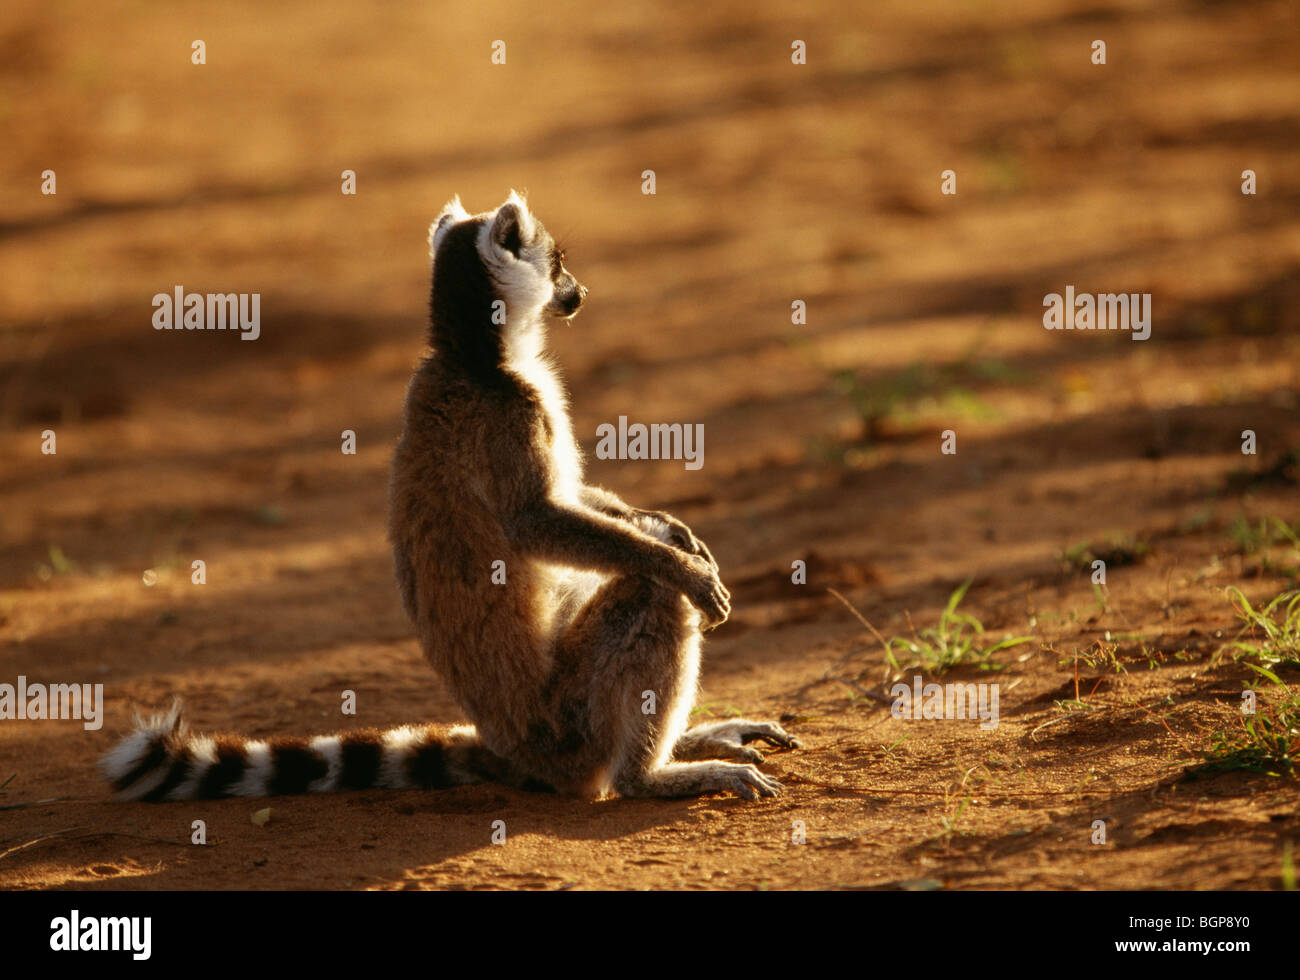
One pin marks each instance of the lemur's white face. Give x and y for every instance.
(522, 260)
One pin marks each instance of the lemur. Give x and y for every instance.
(566, 623)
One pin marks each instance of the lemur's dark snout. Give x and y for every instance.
(567, 302)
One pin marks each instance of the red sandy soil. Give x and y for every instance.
(775, 182)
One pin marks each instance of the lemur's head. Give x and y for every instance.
(524, 267)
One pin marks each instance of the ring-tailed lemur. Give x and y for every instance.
(580, 669)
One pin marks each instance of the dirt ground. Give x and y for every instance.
(775, 182)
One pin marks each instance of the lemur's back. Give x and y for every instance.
(479, 614)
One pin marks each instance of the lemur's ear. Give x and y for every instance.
(452, 212)
(513, 225)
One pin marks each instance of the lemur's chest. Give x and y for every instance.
(555, 425)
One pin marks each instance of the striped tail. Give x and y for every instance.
(161, 760)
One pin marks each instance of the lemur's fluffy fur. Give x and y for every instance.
(602, 607)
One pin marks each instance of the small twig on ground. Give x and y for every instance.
(861, 619)
(828, 676)
(891, 791)
(154, 840)
(1177, 738)
(19, 806)
(37, 840)
(882, 698)
(99, 833)
(1056, 721)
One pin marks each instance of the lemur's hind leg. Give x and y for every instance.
(623, 682)
(730, 740)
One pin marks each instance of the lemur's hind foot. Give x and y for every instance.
(730, 740)
(699, 778)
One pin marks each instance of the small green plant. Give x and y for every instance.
(1102, 656)
(1100, 598)
(1251, 537)
(949, 823)
(923, 388)
(958, 639)
(1070, 704)
(873, 401)
(1264, 539)
(1267, 741)
(1274, 630)
(1152, 656)
(889, 749)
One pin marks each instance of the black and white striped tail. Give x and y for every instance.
(161, 760)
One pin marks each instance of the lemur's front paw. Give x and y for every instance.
(706, 591)
(674, 532)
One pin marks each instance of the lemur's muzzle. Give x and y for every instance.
(567, 299)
